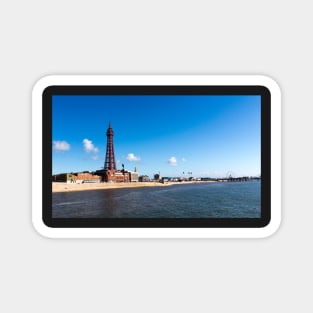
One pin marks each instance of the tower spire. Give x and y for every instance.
(109, 163)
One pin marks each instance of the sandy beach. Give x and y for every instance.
(64, 187)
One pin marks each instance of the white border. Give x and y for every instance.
(214, 80)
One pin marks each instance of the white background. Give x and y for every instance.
(166, 37)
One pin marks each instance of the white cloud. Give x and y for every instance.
(89, 146)
(172, 161)
(184, 160)
(96, 157)
(61, 145)
(132, 158)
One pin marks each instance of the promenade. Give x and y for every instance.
(64, 187)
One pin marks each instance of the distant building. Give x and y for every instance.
(84, 177)
(144, 178)
(119, 176)
(133, 177)
(164, 180)
(113, 176)
(87, 178)
(64, 178)
(157, 177)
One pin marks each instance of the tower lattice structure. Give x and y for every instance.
(109, 163)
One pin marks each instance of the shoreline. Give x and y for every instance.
(65, 187)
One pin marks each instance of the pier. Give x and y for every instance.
(237, 179)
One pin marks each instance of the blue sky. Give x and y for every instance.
(175, 135)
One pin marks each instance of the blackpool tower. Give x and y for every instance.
(109, 173)
(109, 163)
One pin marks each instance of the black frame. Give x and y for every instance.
(156, 222)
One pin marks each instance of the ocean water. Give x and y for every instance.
(213, 200)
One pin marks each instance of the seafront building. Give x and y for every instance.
(78, 178)
(144, 178)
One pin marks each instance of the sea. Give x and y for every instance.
(202, 200)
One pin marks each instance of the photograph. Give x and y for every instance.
(156, 156)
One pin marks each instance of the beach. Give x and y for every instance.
(67, 187)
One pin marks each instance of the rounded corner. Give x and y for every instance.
(42, 84)
(270, 83)
(271, 228)
(41, 228)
